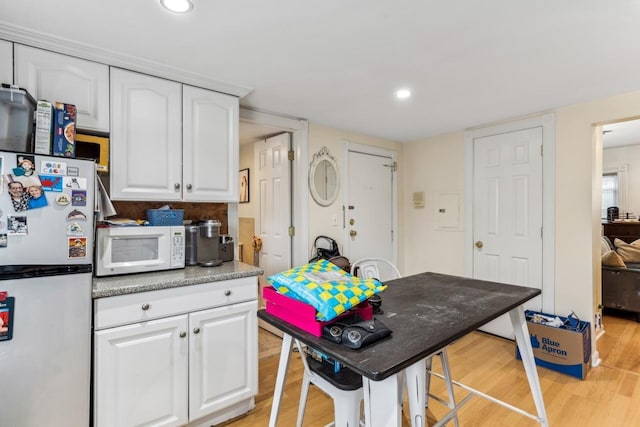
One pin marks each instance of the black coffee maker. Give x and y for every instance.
(612, 213)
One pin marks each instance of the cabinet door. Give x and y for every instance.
(610, 283)
(210, 142)
(146, 137)
(6, 62)
(62, 78)
(629, 292)
(140, 374)
(223, 357)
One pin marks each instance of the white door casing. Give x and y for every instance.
(369, 201)
(273, 203)
(544, 203)
(508, 214)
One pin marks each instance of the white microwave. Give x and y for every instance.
(124, 250)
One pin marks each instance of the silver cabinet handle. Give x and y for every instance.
(227, 293)
(183, 334)
(196, 330)
(176, 185)
(189, 186)
(146, 307)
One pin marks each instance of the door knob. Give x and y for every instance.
(352, 221)
(353, 233)
(176, 186)
(196, 330)
(189, 187)
(479, 244)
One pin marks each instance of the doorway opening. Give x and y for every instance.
(619, 181)
(258, 126)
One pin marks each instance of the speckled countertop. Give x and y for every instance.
(141, 282)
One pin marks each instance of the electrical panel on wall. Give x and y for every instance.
(447, 211)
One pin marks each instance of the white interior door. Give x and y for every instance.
(507, 214)
(369, 203)
(273, 209)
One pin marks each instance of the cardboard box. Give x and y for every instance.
(64, 130)
(44, 128)
(565, 349)
(304, 315)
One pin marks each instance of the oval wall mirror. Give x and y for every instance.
(323, 178)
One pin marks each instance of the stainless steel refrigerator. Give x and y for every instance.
(46, 252)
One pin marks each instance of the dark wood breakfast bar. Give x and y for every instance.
(426, 312)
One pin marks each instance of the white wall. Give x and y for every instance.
(245, 210)
(437, 165)
(433, 166)
(320, 216)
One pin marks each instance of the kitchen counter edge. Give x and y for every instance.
(133, 283)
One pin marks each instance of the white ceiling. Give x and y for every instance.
(338, 62)
(621, 134)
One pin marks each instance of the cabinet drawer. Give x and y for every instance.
(139, 307)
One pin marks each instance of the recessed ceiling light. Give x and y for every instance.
(177, 6)
(403, 93)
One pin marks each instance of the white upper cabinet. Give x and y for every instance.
(210, 145)
(172, 142)
(6, 62)
(146, 137)
(61, 78)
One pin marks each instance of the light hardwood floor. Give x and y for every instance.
(609, 396)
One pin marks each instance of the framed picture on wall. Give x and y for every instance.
(244, 185)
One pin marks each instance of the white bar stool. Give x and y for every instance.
(383, 269)
(344, 387)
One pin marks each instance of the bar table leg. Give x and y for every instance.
(283, 367)
(382, 402)
(416, 377)
(524, 345)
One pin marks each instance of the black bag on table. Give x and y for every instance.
(332, 253)
(325, 253)
(354, 333)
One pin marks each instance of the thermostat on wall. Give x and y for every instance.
(418, 199)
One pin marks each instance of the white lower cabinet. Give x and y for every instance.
(197, 368)
(222, 358)
(141, 374)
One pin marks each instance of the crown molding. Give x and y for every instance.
(65, 46)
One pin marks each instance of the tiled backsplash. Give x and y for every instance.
(192, 211)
